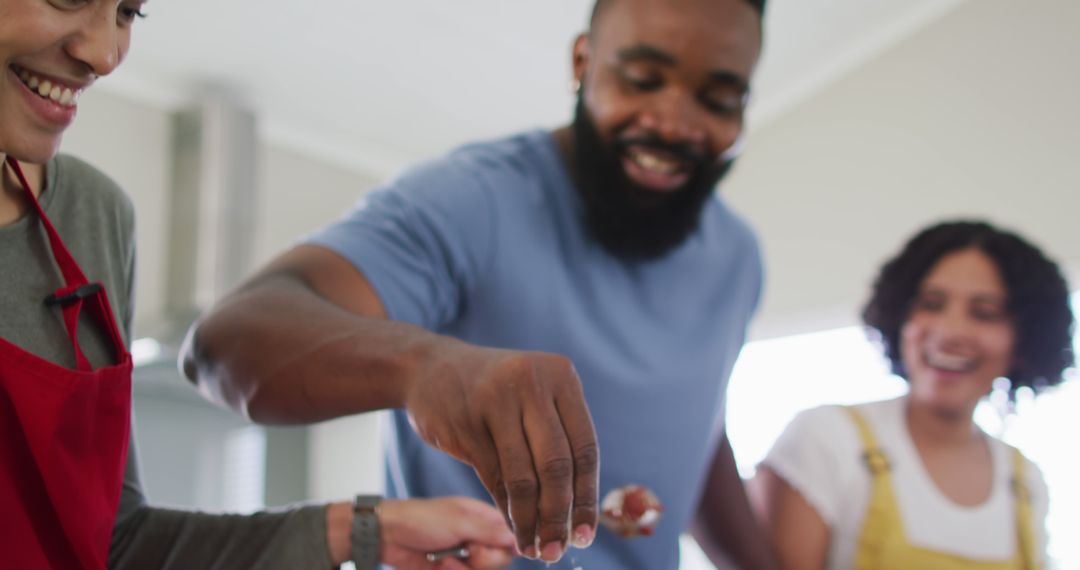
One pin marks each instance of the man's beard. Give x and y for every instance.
(630, 221)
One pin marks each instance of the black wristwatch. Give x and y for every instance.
(365, 532)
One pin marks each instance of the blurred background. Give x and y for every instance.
(238, 126)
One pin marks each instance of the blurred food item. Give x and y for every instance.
(631, 511)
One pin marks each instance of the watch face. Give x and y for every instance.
(366, 503)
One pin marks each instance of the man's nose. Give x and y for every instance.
(674, 115)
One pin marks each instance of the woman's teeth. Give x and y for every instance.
(949, 362)
(46, 89)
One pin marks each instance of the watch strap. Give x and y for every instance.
(365, 532)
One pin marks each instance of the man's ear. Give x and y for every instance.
(580, 59)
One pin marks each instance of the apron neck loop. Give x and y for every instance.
(69, 298)
(73, 276)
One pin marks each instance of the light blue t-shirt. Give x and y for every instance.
(488, 244)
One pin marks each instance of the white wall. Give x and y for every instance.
(973, 116)
(345, 457)
(299, 195)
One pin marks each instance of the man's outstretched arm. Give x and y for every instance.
(307, 339)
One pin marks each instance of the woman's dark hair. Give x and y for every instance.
(1037, 298)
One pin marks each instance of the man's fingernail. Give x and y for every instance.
(583, 536)
(529, 552)
(552, 552)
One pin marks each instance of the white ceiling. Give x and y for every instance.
(376, 85)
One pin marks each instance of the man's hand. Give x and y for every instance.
(409, 529)
(520, 419)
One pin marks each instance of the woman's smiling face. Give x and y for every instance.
(50, 52)
(959, 336)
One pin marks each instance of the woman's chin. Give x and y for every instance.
(34, 152)
(947, 403)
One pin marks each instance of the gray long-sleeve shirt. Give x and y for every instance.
(96, 221)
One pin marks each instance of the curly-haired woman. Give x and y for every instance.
(913, 482)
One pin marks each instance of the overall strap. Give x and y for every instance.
(1022, 499)
(881, 509)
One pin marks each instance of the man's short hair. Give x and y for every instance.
(602, 5)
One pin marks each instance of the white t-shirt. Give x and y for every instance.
(820, 456)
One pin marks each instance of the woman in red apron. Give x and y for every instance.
(63, 433)
(65, 373)
(63, 430)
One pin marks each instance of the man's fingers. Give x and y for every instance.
(487, 469)
(519, 476)
(547, 462)
(579, 428)
(555, 471)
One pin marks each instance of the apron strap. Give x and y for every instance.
(73, 275)
(101, 309)
(882, 504)
(76, 287)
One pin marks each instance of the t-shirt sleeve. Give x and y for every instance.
(809, 455)
(128, 311)
(153, 537)
(422, 241)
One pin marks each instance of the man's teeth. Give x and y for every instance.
(949, 362)
(654, 163)
(46, 89)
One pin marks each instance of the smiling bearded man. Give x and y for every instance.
(539, 305)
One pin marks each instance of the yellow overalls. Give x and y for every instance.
(883, 544)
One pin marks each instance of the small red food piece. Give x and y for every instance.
(635, 503)
(630, 511)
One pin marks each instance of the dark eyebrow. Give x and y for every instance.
(647, 53)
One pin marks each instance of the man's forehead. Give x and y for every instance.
(692, 9)
(709, 29)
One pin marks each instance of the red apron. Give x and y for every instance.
(63, 435)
